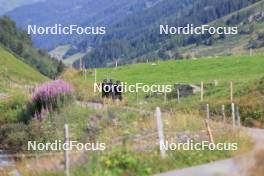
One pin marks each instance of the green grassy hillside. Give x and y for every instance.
(246, 72)
(80, 118)
(21, 44)
(15, 78)
(14, 70)
(235, 68)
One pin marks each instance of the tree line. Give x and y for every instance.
(20, 44)
(136, 37)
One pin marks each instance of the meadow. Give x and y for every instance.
(236, 68)
(129, 128)
(246, 73)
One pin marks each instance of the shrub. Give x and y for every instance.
(50, 97)
(123, 162)
(15, 136)
(11, 109)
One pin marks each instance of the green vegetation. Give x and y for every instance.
(14, 70)
(223, 69)
(12, 108)
(128, 157)
(246, 72)
(20, 44)
(101, 12)
(123, 162)
(237, 68)
(119, 126)
(136, 37)
(129, 128)
(14, 76)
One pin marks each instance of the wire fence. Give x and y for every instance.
(151, 139)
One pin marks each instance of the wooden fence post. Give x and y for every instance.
(207, 111)
(233, 114)
(223, 113)
(238, 117)
(178, 95)
(160, 132)
(202, 91)
(165, 97)
(210, 134)
(231, 91)
(66, 151)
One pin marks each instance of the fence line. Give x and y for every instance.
(117, 140)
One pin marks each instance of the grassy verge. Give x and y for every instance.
(132, 153)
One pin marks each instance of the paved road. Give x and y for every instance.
(228, 167)
(221, 168)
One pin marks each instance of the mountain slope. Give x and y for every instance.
(14, 70)
(250, 22)
(80, 12)
(20, 43)
(136, 37)
(133, 28)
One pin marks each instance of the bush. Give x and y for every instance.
(50, 97)
(122, 162)
(15, 136)
(252, 117)
(11, 109)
